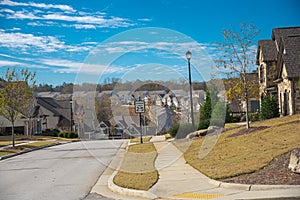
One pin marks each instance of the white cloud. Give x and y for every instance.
(22, 15)
(84, 26)
(100, 21)
(67, 66)
(25, 41)
(7, 11)
(145, 19)
(8, 63)
(42, 43)
(38, 5)
(87, 21)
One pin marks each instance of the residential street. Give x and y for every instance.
(61, 172)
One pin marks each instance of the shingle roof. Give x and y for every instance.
(292, 56)
(268, 48)
(57, 107)
(289, 40)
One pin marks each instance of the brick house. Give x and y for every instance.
(278, 63)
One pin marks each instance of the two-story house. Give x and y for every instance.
(278, 63)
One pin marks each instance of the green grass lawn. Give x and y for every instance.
(232, 156)
(137, 170)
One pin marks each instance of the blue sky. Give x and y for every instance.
(61, 39)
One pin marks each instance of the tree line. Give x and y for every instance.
(67, 88)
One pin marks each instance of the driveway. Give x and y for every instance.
(61, 172)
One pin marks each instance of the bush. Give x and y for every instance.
(173, 130)
(52, 133)
(72, 135)
(235, 119)
(205, 111)
(217, 122)
(269, 108)
(61, 134)
(68, 135)
(203, 124)
(219, 114)
(181, 130)
(254, 117)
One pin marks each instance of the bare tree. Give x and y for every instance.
(237, 61)
(15, 95)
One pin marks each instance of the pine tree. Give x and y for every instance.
(205, 112)
(269, 108)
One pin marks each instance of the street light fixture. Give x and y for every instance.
(188, 56)
(71, 115)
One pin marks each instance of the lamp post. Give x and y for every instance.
(71, 114)
(188, 56)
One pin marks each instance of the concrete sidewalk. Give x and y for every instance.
(178, 180)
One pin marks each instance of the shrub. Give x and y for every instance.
(219, 114)
(68, 135)
(181, 130)
(217, 122)
(61, 134)
(269, 108)
(203, 124)
(205, 110)
(72, 135)
(52, 133)
(184, 130)
(254, 116)
(173, 130)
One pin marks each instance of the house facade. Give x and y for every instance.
(278, 63)
(55, 112)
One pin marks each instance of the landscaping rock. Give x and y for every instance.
(191, 135)
(196, 134)
(294, 164)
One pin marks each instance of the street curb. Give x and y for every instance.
(128, 192)
(30, 150)
(250, 187)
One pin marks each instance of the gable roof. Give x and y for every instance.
(288, 42)
(284, 47)
(292, 56)
(268, 49)
(57, 107)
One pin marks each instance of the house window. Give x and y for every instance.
(262, 75)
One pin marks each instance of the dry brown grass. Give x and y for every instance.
(137, 139)
(232, 156)
(137, 170)
(7, 151)
(6, 143)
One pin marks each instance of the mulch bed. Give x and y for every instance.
(247, 131)
(276, 173)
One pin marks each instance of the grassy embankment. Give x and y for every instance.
(137, 170)
(240, 154)
(40, 142)
(26, 147)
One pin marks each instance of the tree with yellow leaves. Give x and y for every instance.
(238, 62)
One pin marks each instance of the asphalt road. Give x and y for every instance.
(66, 171)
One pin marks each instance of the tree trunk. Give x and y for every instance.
(13, 133)
(247, 115)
